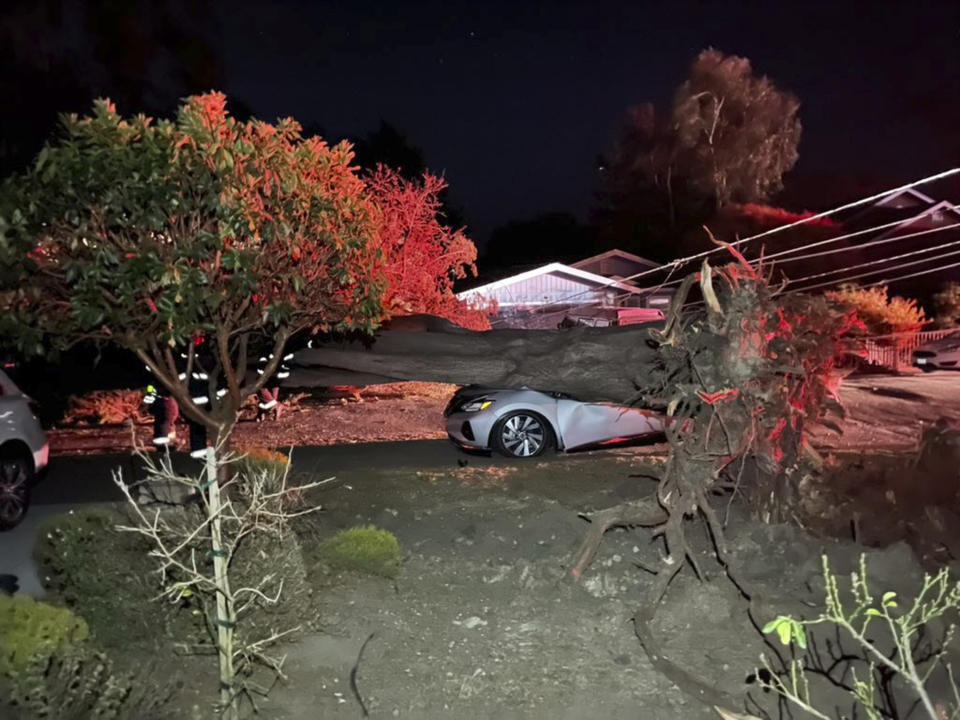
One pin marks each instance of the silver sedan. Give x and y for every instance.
(525, 423)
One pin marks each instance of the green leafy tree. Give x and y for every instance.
(153, 235)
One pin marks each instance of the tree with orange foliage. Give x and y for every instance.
(882, 314)
(422, 257)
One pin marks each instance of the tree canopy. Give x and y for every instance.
(737, 132)
(728, 137)
(879, 312)
(422, 257)
(154, 234)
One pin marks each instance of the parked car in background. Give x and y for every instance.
(24, 452)
(526, 423)
(942, 354)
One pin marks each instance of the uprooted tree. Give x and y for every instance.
(739, 374)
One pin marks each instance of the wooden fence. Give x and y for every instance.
(896, 350)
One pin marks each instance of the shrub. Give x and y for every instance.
(363, 549)
(257, 460)
(78, 685)
(881, 313)
(106, 578)
(279, 556)
(253, 573)
(890, 638)
(29, 628)
(273, 468)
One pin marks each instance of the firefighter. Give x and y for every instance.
(269, 395)
(199, 389)
(165, 412)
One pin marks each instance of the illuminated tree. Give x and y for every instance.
(422, 256)
(151, 235)
(882, 314)
(737, 132)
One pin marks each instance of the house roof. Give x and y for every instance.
(900, 206)
(943, 206)
(896, 198)
(555, 267)
(623, 254)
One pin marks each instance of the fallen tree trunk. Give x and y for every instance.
(593, 364)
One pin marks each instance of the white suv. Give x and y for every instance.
(23, 452)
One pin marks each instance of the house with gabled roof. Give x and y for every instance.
(589, 292)
(917, 234)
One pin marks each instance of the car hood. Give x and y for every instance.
(946, 343)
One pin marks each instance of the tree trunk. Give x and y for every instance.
(226, 619)
(612, 364)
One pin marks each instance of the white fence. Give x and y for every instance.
(896, 350)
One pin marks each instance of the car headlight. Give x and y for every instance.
(477, 405)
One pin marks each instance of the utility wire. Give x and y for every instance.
(861, 246)
(896, 278)
(845, 249)
(871, 263)
(874, 272)
(911, 275)
(685, 260)
(819, 216)
(838, 250)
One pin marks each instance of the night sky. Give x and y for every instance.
(514, 101)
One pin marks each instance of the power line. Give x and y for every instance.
(838, 238)
(861, 246)
(679, 262)
(828, 213)
(874, 262)
(842, 280)
(874, 272)
(911, 275)
(839, 250)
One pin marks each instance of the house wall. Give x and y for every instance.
(550, 289)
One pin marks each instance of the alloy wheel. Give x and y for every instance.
(522, 435)
(13, 491)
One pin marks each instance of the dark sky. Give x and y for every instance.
(513, 101)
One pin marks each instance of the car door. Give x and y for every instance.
(588, 423)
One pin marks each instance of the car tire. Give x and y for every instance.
(522, 434)
(16, 476)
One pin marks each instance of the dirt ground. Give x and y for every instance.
(890, 411)
(484, 623)
(401, 411)
(884, 412)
